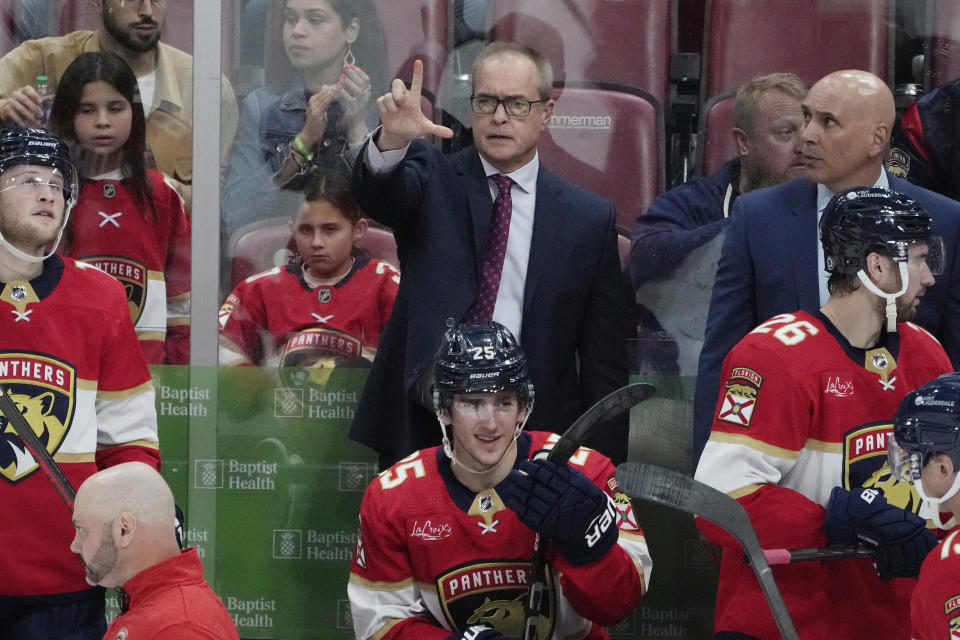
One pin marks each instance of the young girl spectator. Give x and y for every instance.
(326, 310)
(310, 111)
(129, 220)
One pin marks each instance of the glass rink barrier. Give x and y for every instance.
(271, 491)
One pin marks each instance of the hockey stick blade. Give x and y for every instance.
(36, 449)
(678, 491)
(610, 406)
(840, 552)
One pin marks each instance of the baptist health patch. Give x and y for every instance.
(740, 396)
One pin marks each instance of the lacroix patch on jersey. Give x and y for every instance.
(740, 396)
(133, 276)
(865, 465)
(44, 390)
(493, 592)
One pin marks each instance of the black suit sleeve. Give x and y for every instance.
(603, 345)
(393, 198)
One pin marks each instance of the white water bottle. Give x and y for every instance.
(42, 86)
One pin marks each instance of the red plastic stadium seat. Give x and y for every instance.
(610, 142)
(811, 38)
(177, 32)
(259, 246)
(625, 42)
(415, 29)
(266, 244)
(718, 143)
(943, 59)
(381, 245)
(808, 37)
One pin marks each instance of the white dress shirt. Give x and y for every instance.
(509, 306)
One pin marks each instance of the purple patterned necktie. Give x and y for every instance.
(482, 309)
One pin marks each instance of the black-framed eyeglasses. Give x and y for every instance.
(485, 105)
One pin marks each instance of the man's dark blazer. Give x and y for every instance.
(769, 266)
(574, 328)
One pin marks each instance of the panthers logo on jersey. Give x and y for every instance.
(43, 389)
(131, 274)
(493, 592)
(311, 355)
(865, 465)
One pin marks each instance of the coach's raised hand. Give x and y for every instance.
(402, 118)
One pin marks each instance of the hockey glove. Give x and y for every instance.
(900, 537)
(564, 505)
(480, 632)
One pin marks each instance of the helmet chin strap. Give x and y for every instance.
(448, 448)
(891, 298)
(931, 506)
(26, 257)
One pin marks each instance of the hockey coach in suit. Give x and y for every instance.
(560, 291)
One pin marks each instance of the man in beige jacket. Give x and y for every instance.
(132, 30)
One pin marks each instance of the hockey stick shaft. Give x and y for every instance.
(846, 552)
(679, 491)
(610, 406)
(30, 440)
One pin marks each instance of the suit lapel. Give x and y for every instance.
(549, 216)
(803, 245)
(477, 190)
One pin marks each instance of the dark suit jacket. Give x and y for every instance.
(574, 328)
(769, 266)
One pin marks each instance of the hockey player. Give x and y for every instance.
(925, 451)
(69, 359)
(801, 425)
(447, 533)
(328, 309)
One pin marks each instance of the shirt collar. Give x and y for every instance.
(824, 194)
(525, 176)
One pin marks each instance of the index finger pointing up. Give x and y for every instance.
(416, 85)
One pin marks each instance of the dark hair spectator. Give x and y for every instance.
(317, 103)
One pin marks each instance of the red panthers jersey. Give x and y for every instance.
(69, 359)
(801, 411)
(149, 255)
(272, 313)
(433, 558)
(935, 605)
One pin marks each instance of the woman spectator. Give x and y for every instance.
(310, 111)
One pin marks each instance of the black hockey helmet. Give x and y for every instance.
(863, 220)
(20, 145)
(927, 422)
(480, 358)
